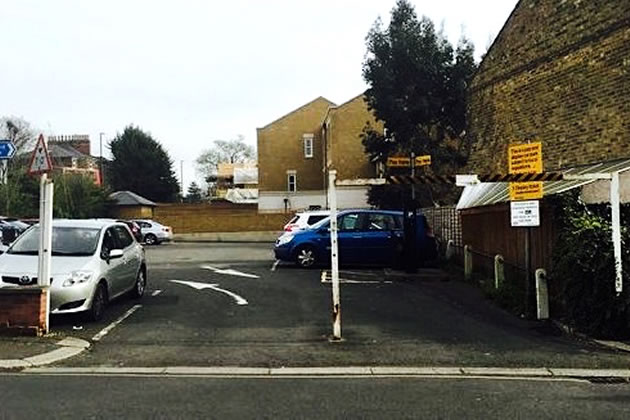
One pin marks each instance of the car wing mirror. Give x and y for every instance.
(115, 253)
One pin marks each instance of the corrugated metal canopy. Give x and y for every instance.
(487, 193)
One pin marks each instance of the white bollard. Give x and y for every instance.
(542, 296)
(450, 250)
(499, 271)
(468, 264)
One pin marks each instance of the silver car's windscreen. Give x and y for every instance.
(74, 241)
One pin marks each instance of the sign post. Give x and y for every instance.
(41, 165)
(526, 159)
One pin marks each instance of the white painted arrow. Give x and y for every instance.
(200, 286)
(229, 272)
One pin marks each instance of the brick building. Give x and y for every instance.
(558, 72)
(295, 151)
(71, 154)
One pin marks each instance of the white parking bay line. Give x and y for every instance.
(275, 265)
(156, 292)
(114, 324)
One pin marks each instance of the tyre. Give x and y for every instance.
(140, 285)
(150, 239)
(99, 303)
(305, 257)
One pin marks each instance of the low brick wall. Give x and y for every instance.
(200, 218)
(23, 310)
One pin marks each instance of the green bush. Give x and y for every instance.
(582, 279)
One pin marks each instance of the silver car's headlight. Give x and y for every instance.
(77, 277)
(284, 239)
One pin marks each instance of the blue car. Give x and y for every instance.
(373, 237)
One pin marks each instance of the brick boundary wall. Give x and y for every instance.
(205, 218)
(23, 310)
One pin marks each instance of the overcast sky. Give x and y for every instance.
(190, 72)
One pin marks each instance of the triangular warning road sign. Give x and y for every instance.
(40, 160)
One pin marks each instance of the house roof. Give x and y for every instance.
(129, 198)
(319, 98)
(62, 150)
(334, 107)
(488, 193)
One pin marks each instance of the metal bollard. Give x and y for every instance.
(468, 264)
(450, 250)
(499, 271)
(542, 296)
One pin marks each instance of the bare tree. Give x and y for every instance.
(223, 151)
(19, 132)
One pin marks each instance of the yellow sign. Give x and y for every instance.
(423, 160)
(405, 162)
(525, 158)
(398, 162)
(526, 191)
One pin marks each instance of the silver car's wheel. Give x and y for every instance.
(150, 239)
(306, 257)
(141, 285)
(99, 302)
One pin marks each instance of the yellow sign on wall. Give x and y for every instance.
(525, 158)
(526, 191)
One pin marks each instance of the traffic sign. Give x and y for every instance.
(7, 149)
(405, 162)
(40, 159)
(525, 158)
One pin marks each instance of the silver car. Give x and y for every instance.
(154, 233)
(93, 261)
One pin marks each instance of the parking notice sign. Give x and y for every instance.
(526, 191)
(525, 213)
(525, 158)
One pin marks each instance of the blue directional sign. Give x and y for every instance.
(7, 149)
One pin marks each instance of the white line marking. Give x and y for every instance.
(156, 292)
(229, 272)
(200, 286)
(275, 265)
(358, 281)
(113, 325)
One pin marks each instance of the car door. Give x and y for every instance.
(349, 237)
(130, 261)
(114, 268)
(378, 243)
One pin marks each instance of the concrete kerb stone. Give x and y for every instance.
(70, 347)
(357, 371)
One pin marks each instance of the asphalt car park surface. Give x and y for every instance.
(220, 304)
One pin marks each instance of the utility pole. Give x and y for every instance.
(100, 159)
(181, 179)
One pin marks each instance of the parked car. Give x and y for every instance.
(93, 262)
(364, 237)
(134, 228)
(11, 228)
(154, 233)
(303, 220)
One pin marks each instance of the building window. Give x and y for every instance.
(308, 145)
(291, 181)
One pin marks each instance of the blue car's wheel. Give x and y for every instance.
(306, 256)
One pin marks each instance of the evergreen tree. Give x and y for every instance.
(194, 193)
(140, 164)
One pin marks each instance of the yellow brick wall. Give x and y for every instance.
(133, 212)
(281, 148)
(199, 218)
(346, 152)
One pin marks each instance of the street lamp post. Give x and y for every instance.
(100, 160)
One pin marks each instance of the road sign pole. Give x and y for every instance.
(334, 255)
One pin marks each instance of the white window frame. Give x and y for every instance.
(289, 175)
(309, 150)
